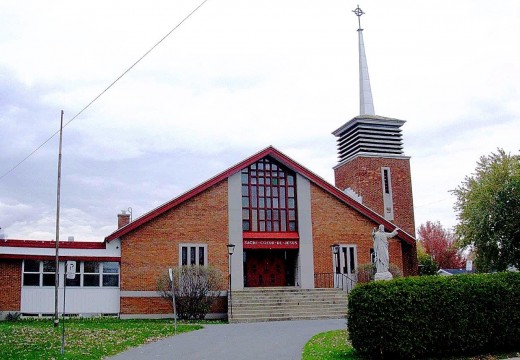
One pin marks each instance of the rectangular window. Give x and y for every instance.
(388, 203)
(49, 273)
(91, 273)
(193, 254)
(110, 274)
(88, 273)
(352, 261)
(184, 256)
(386, 181)
(39, 273)
(31, 273)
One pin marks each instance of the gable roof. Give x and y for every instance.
(284, 160)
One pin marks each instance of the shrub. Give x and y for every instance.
(196, 288)
(436, 316)
(366, 272)
(12, 317)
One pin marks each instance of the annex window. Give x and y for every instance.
(39, 273)
(31, 273)
(110, 274)
(193, 254)
(268, 197)
(95, 274)
(91, 273)
(88, 274)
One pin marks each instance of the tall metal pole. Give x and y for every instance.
(57, 273)
(230, 291)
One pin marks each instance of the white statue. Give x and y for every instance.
(382, 257)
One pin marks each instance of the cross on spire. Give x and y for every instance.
(366, 104)
(358, 13)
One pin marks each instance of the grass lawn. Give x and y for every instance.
(329, 345)
(93, 338)
(333, 345)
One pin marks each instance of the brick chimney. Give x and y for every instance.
(123, 219)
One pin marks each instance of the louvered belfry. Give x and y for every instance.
(369, 135)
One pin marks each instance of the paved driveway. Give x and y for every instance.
(282, 340)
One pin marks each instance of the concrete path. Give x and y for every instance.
(254, 341)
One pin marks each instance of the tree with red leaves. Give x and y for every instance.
(440, 244)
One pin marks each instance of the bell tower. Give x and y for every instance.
(372, 166)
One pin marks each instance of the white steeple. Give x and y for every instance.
(366, 104)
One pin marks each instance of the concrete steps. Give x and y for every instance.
(287, 303)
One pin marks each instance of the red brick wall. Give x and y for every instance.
(10, 284)
(150, 250)
(335, 222)
(363, 175)
(145, 305)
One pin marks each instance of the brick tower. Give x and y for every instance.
(372, 166)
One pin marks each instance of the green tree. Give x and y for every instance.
(488, 205)
(427, 266)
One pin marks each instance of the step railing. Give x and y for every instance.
(334, 281)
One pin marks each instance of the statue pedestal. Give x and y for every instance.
(383, 276)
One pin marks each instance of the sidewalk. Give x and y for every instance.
(254, 341)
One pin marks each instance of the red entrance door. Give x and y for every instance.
(265, 268)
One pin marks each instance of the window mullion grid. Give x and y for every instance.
(250, 191)
(295, 204)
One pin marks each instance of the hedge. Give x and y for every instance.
(436, 316)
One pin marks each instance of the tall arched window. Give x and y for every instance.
(268, 197)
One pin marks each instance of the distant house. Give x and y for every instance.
(449, 272)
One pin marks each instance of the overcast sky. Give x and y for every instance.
(237, 77)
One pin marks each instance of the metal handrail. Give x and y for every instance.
(326, 280)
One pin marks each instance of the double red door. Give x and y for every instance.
(265, 268)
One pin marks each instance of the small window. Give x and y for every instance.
(49, 273)
(110, 274)
(193, 255)
(31, 266)
(76, 281)
(196, 254)
(184, 259)
(31, 273)
(91, 274)
(386, 181)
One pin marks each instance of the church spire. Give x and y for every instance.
(366, 104)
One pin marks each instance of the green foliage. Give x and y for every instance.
(427, 266)
(13, 316)
(86, 339)
(330, 345)
(436, 316)
(488, 204)
(196, 288)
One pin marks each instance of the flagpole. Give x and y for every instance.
(57, 273)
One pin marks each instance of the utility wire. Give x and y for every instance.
(105, 90)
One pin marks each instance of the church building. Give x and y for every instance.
(287, 226)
